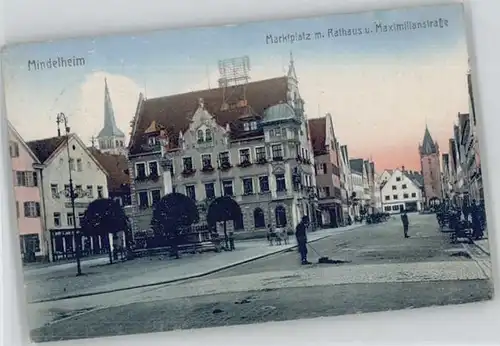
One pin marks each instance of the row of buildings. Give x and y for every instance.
(250, 140)
(462, 176)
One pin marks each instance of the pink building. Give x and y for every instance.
(431, 169)
(28, 197)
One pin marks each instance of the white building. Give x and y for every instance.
(401, 192)
(89, 182)
(348, 182)
(377, 197)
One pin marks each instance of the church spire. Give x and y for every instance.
(110, 129)
(428, 146)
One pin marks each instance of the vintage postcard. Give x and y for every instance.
(242, 174)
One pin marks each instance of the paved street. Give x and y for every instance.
(384, 271)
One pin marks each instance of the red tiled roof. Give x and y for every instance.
(116, 166)
(317, 132)
(174, 112)
(43, 148)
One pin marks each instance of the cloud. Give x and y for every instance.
(88, 118)
(83, 105)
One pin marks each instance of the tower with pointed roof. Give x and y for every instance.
(111, 139)
(431, 168)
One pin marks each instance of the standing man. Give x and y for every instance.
(301, 235)
(404, 220)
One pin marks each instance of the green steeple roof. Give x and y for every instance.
(110, 129)
(428, 146)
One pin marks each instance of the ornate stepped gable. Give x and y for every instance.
(175, 112)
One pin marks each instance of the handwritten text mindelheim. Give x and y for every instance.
(55, 63)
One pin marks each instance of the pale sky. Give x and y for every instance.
(381, 88)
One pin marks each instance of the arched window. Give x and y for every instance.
(280, 216)
(208, 135)
(258, 218)
(200, 135)
(238, 223)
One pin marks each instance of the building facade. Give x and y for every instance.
(250, 141)
(326, 150)
(401, 192)
(358, 183)
(111, 139)
(89, 182)
(346, 183)
(28, 197)
(431, 169)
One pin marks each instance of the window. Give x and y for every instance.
(69, 219)
(387, 198)
(280, 182)
(79, 167)
(30, 242)
(100, 191)
(244, 155)
(394, 196)
(280, 214)
(247, 186)
(18, 212)
(28, 179)
(227, 186)
(31, 209)
(14, 149)
(78, 189)
(405, 195)
(224, 158)
(187, 164)
(258, 218)
(152, 141)
(90, 191)
(246, 127)
(394, 187)
(206, 160)
(191, 192)
(260, 153)
(264, 183)
(54, 190)
(277, 151)
(395, 207)
(140, 170)
(404, 186)
(325, 168)
(57, 219)
(209, 190)
(327, 190)
(414, 194)
(153, 168)
(200, 136)
(398, 178)
(80, 217)
(253, 125)
(143, 200)
(72, 164)
(208, 135)
(155, 196)
(387, 208)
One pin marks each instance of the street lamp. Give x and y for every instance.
(71, 193)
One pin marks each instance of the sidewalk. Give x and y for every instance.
(144, 272)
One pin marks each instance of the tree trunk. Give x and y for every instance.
(226, 238)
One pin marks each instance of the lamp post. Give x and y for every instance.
(62, 119)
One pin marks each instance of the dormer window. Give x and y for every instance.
(152, 141)
(253, 125)
(246, 126)
(208, 135)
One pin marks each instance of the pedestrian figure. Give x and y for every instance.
(404, 220)
(231, 240)
(270, 234)
(477, 229)
(301, 235)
